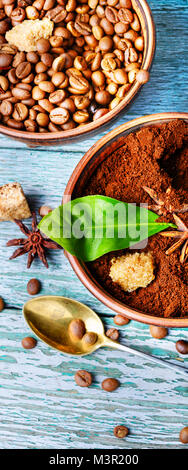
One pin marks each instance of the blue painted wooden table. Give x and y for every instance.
(41, 406)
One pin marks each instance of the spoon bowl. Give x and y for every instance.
(49, 317)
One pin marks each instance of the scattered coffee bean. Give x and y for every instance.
(28, 342)
(44, 210)
(90, 338)
(109, 385)
(2, 305)
(83, 378)
(158, 332)
(182, 346)
(121, 320)
(184, 435)
(121, 431)
(33, 286)
(113, 334)
(76, 329)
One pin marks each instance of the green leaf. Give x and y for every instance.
(90, 226)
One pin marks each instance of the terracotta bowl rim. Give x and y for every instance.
(93, 126)
(80, 268)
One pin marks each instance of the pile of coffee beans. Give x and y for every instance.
(76, 76)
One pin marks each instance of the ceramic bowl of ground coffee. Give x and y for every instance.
(67, 67)
(148, 152)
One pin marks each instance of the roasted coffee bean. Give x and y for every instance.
(113, 334)
(57, 96)
(18, 15)
(12, 76)
(30, 125)
(46, 105)
(184, 435)
(142, 76)
(83, 378)
(139, 43)
(111, 14)
(20, 93)
(93, 107)
(98, 78)
(68, 125)
(158, 332)
(15, 124)
(68, 103)
(80, 84)
(19, 58)
(6, 108)
(121, 320)
(20, 112)
(33, 286)
(109, 385)
(42, 119)
(46, 86)
(37, 93)
(32, 57)
(2, 305)
(28, 342)
(125, 15)
(182, 346)
(44, 210)
(81, 116)
(81, 102)
(100, 113)
(4, 26)
(121, 431)
(23, 70)
(47, 59)
(90, 338)
(76, 329)
(29, 102)
(43, 45)
(5, 60)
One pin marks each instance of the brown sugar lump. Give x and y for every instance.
(26, 34)
(132, 271)
(13, 203)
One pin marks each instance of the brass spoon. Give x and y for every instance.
(49, 317)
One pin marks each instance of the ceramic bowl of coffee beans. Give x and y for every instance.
(67, 67)
(143, 162)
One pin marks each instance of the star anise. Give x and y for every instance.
(34, 244)
(162, 208)
(182, 235)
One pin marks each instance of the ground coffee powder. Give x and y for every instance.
(156, 157)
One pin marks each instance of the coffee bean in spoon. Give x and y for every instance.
(90, 338)
(83, 378)
(76, 329)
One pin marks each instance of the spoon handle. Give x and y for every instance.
(122, 347)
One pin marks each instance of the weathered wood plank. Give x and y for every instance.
(40, 405)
